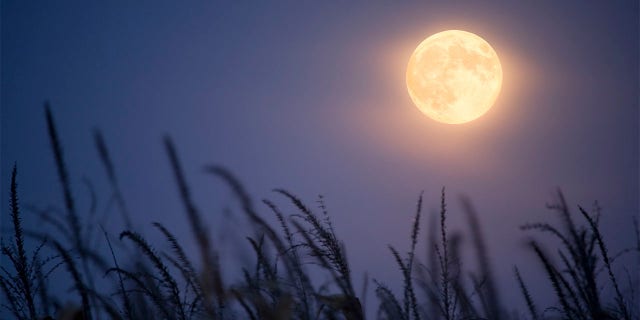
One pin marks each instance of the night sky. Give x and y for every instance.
(311, 97)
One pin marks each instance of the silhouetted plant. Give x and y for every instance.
(527, 297)
(575, 282)
(171, 285)
(22, 288)
(410, 310)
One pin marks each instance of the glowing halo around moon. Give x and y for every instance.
(454, 76)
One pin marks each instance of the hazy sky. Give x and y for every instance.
(312, 98)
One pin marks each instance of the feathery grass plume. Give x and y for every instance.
(577, 280)
(579, 286)
(20, 260)
(212, 285)
(263, 264)
(142, 290)
(28, 283)
(410, 292)
(17, 288)
(181, 260)
(582, 250)
(291, 251)
(167, 279)
(443, 258)
(527, 297)
(605, 256)
(389, 305)
(293, 263)
(105, 158)
(258, 293)
(563, 209)
(325, 250)
(141, 302)
(323, 260)
(267, 292)
(329, 253)
(325, 213)
(406, 280)
(406, 267)
(552, 273)
(261, 300)
(576, 293)
(490, 290)
(265, 280)
(324, 243)
(410, 301)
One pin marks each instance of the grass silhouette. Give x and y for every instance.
(155, 284)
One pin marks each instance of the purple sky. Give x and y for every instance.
(311, 98)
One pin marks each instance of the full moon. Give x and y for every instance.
(454, 76)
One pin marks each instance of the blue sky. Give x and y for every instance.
(311, 97)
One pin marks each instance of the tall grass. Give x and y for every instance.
(19, 287)
(575, 280)
(132, 278)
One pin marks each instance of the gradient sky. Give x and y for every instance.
(311, 97)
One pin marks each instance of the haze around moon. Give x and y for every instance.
(454, 76)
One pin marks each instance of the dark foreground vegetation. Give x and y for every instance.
(132, 279)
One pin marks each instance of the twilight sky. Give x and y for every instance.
(312, 98)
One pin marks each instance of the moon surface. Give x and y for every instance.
(454, 76)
